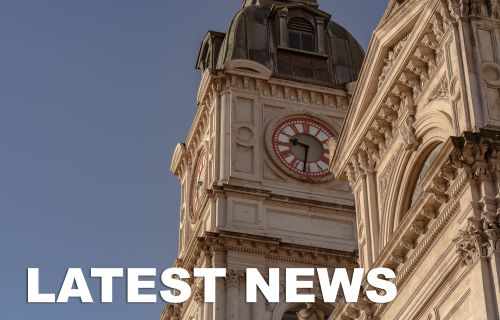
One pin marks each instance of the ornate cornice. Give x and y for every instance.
(272, 248)
(235, 187)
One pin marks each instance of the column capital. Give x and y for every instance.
(233, 278)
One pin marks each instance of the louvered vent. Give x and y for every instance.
(300, 24)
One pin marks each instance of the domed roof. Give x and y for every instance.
(256, 34)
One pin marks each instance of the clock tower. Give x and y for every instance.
(256, 190)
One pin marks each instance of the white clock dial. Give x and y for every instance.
(300, 143)
(197, 183)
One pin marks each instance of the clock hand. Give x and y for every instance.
(305, 158)
(296, 142)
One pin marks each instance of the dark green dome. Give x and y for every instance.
(334, 60)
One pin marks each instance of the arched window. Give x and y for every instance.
(300, 34)
(417, 190)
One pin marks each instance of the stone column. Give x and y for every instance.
(232, 284)
(282, 16)
(320, 32)
(368, 165)
(218, 136)
(258, 308)
(219, 308)
(357, 181)
(491, 225)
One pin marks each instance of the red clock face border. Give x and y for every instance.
(289, 128)
(196, 184)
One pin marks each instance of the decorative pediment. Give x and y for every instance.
(392, 8)
(395, 76)
(209, 50)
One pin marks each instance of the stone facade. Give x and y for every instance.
(419, 148)
(415, 174)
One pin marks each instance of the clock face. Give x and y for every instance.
(301, 145)
(197, 183)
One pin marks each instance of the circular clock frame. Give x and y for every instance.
(319, 122)
(199, 169)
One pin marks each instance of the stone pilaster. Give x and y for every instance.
(233, 278)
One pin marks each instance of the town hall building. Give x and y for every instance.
(307, 152)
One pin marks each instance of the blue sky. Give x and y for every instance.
(94, 95)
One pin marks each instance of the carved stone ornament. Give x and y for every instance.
(199, 295)
(409, 135)
(233, 278)
(491, 227)
(442, 90)
(391, 57)
(474, 8)
(171, 312)
(479, 239)
(311, 313)
(477, 154)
